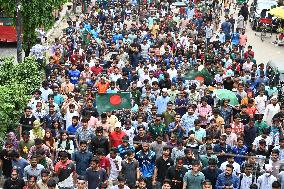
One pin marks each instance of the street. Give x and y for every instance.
(264, 51)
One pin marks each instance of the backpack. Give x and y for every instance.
(241, 178)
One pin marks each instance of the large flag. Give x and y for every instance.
(198, 75)
(114, 101)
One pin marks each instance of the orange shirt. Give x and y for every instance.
(102, 88)
(57, 58)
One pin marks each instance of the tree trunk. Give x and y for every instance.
(74, 6)
(19, 32)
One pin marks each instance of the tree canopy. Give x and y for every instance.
(17, 82)
(34, 14)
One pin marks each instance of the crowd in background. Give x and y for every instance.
(177, 134)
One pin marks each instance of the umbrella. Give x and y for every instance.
(222, 94)
(278, 12)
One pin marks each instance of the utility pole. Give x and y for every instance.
(19, 31)
(74, 6)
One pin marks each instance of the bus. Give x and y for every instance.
(8, 32)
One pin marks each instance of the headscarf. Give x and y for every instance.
(12, 138)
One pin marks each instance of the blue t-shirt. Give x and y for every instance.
(146, 163)
(235, 38)
(20, 165)
(71, 130)
(74, 76)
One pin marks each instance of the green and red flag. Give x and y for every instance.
(114, 101)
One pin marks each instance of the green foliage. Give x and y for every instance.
(17, 82)
(34, 14)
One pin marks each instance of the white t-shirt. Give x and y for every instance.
(114, 172)
(68, 117)
(260, 102)
(265, 182)
(172, 73)
(268, 141)
(237, 167)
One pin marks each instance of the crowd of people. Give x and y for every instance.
(177, 134)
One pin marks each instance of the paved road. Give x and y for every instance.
(8, 49)
(264, 51)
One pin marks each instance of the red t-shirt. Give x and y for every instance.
(116, 138)
(251, 111)
(104, 163)
(238, 129)
(96, 70)
(74, 58)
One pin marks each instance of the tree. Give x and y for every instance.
(34, 14)
(17, 82)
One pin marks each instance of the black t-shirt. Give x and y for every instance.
(95, 177)
(123, 84)
(139, 140)
(27, 123)
(7, 163)
(14, 184)
(176, 176)
(90, 111)
(245, 118)
(162, 166)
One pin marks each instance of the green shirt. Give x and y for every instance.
(193, 181)
(24, 148)
(156, 130)
(262, 125)
(205, 158)
(169, 117)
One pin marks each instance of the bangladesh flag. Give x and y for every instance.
(114, 101)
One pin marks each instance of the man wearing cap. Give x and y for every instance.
(265, 181)
(115, 137)
(162, 101)
(125, 147)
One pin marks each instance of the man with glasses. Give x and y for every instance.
(14, 182)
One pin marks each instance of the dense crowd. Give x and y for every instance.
(178, 134)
